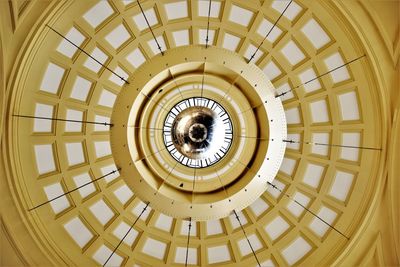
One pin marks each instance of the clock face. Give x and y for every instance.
(198, 132)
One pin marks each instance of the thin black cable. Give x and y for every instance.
(57, 119)
(319, 76)
(332, 145)
(86, 53)
(130, 228)
(266, 36)
(305, 208)
(151, 30)
(73, 190)
(208, 22)
(248, 241)
(187, 242)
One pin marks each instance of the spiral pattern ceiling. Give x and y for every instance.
(219, 146)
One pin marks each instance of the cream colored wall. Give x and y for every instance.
(378, 239)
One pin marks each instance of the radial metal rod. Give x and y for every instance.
(86, 53)
(248, 241)
(73, 190)
(58, 119)
(146, 128)
(129, 230)
(151, 30)
(270, 30)
(165, 180)
(187, 242)
(208, 22)
(319, 76)
(332, 145)
(307, 209)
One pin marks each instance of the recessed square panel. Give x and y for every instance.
(203, 36)
(118, 36)
(320, 138)
(44, 158)
(137, 210)
(136, 58)
(234, 222)
(276, 227)
(140, 20)
(230, 42)
(313, 174)
(319, 111)
(116, 79)
(284, 88)
(276, 192)
(102, 148)
(258, 207)
(314, 32)
(265, 27)
(41, 125)
(350, 139)
(305, 78)
(271, 70)
(100, 56)
(54, 191)
(66, 48)
(292, 53)
(294, 137)
(81, 180)
(123, 194)
(214, 227)
(348, 103)
(75, 153)
(154, 46)
(244, 246)
(154, 248)
(78, 231)
(288, 166)
(121, 232)
(180, 255)
(176, 10)
(240, 15)
(52, 78)
(291, 12)
(102, 212)
(340, 74)
(341, 185)
(294, 207)
(164, 222)
(296, 250)
(204, 7)
(109, 171)
(249, 54)
(102, 254)
(81, 89)
(101, 127)
(99, 13)
(75, 115)
(293, 115)
(107, 98)
(218, 254)
(318, 226)
(185, 228)
(181, 38)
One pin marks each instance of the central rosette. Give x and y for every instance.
(198, 132)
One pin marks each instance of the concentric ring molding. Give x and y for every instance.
(351, 212)
(185, 209)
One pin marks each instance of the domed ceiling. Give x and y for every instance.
(199, 133)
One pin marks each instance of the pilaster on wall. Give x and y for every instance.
(377, 23)
(17, 18)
